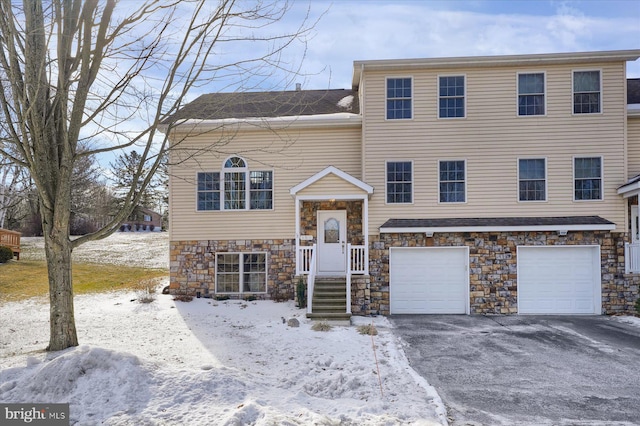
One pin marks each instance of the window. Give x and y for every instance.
(208, 191)
(241, 273)
(531, 94)
(587, 174)
(451, 92)
(532, 179)
(399, 182)
(399, 98)
(586, 92)
(452, 181)
(147, 218)
(240, 188)
(261, 190)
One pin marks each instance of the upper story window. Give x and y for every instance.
(451, 96)
(532, 179)
(587, 177)
(235, 188)
(586, 92)
(208, 191)
(452, 181)
(531, 94)
(399, 182)
(399, 98)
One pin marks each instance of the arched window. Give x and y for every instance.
(235, 187)
(235, 184)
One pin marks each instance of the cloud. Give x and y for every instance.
(376, 30)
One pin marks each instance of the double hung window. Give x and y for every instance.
(452, 181)
(399, 182)
(451, 96)
(586, 92)
(241, 272)
(587, 172)
(399, 98)
(532, 179)
(531, 94)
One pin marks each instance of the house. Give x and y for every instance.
(143, 219)
(471, 185)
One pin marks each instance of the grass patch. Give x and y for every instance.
(321, 326)
(368, 329)
(25, 279)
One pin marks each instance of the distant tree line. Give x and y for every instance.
(96, 194)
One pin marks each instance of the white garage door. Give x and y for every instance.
(559, 280)
(429, 280)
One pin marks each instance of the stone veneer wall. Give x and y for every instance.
(192, 265)
(493, 267)
(309, 218)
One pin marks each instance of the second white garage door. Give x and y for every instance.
(559, 280)
(429, 280)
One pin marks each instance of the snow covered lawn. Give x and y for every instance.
(207, 362)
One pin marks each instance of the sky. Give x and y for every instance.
(352, 30)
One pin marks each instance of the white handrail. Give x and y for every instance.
(358, 262)
(349, 278)
(311, 278)
(632, 258)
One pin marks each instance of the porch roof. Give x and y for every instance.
(337, 172)
(631, 188)
(494, 224)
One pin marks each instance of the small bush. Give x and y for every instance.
(321, 326)
(222, 297)
(183, 298)
(6, 254)
(368, 329)
(147, 290)
(250, 298)
(638, 305)
(301, 292)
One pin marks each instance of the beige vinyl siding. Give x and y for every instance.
(331, 185)
(633, 147)
(293, 156)
(491, 139)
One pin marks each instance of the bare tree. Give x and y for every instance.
(113, 72)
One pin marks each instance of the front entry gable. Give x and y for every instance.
(331, 183)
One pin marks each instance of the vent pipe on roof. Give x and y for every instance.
(298, 87)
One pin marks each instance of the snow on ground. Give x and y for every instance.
(207, 362)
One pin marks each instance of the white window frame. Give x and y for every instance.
(464, 96)
(546, 180)
(219, 191)
(466, 179)
(386, 98)
(573, 74)
(544, 93)
(386, 182)
(573, 181)
(247, 191)
(241, 272)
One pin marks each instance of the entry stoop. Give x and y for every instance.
(329, 302)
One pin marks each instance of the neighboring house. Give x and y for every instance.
(143, 219)
(478, 185)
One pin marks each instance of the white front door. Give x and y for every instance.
(332, 242)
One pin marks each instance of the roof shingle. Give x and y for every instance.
(216, 106)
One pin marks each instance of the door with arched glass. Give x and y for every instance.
(332, 242)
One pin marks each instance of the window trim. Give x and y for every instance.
(197, 209)
(386, 181)
(573, 181)
(466, 179)
(241, 272)
(546, 179)
(544, 93)
(601, 105)
(386, 98)
(464, 96)
(247, 175)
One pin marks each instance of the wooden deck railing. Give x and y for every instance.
(11, 239)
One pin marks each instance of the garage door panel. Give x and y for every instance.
(428, 280)
(559, 280)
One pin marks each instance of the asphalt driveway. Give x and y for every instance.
(528, 370)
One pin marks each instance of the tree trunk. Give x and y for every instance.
(58, 251)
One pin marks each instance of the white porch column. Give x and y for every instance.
(298, 260)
